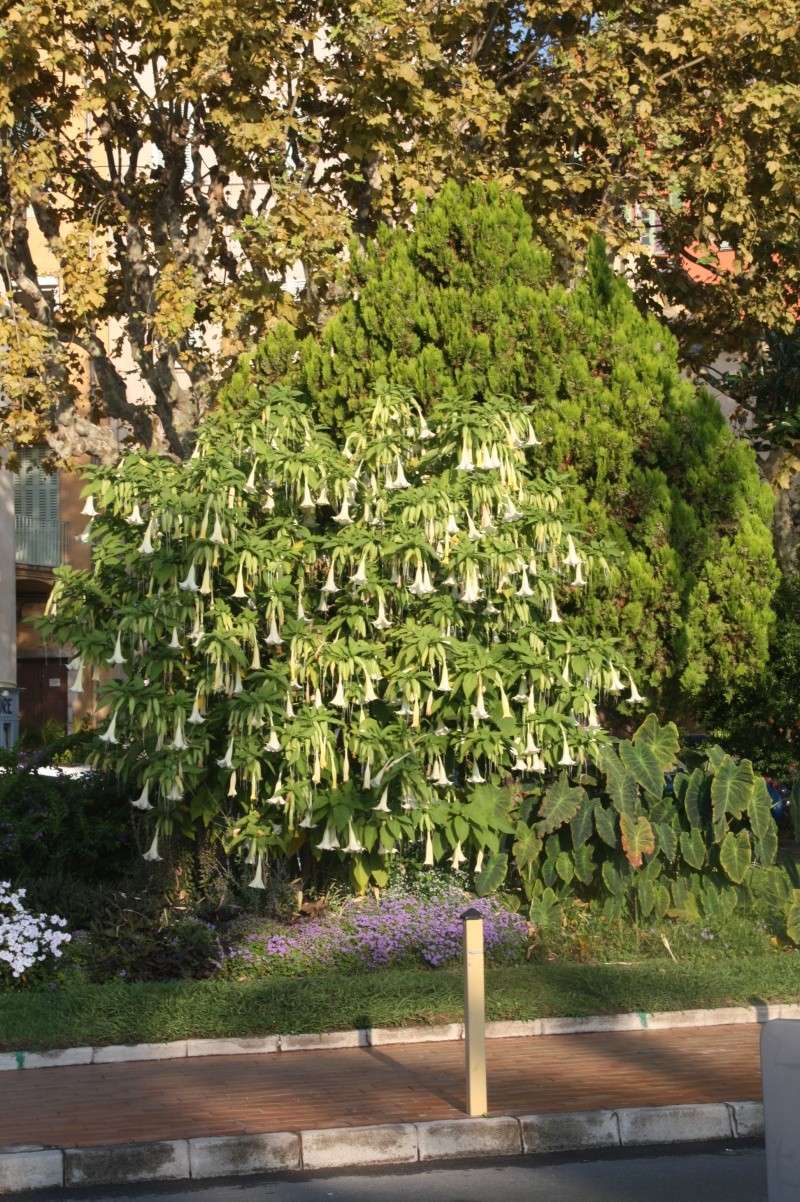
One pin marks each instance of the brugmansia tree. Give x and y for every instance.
(467, 304)
(352, 641)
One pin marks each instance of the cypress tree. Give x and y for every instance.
(466, 306)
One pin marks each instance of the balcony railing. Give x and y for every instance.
(40, 544)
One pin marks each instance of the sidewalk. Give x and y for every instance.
(182, 1099)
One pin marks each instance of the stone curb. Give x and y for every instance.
(33, 1167)
(374, 1037)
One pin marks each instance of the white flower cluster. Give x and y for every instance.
(26, 939)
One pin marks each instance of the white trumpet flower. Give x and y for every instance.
(330, 585)
(381, 622)
(353, 844)
(479, 710)
(425, 431)
(505, 708)
(196, 717)
(635, 698)
(429, 861)
(342, 518)
(77, 684)
(307, 502)
(273, 638)
(578, 581)
(258, 879)
(239, 591)
(554, 614)
(616, 685)
(329, 841)
(360, 574)
(216, 534)
(146, 545)
(227, 759)
(135, 518)
(418, 587)
(339, 699)
(176, 790)
(383, 805)
(302, 616)
(152, 852)
(566, 760)
(142, 802)
(572, 558)
(472, 530)
(323, 500)
(594, 721)
(179, 739)
(452, 525)
(458, 857)
(189, 585)
(444, 681)
(525, 589)
(400, 476)
(511, 513)
(465, 463)
(116, 656)
(273, 743)
(531, 440)
(277, 798)
(109, 735)
(89, 510)
(475, 777)
(369, 689)
(232, 782)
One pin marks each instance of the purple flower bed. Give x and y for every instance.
(394, 930)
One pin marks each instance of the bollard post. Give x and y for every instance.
(474, 1013)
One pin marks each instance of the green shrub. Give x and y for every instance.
(467, 305)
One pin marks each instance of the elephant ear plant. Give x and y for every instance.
(353, 641)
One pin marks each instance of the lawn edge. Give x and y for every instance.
(204, 1158)
(383, 1036)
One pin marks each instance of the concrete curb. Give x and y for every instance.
(374, 1037)
(31, 1167)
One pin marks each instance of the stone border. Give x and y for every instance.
(374, 1037)
(32, 1167)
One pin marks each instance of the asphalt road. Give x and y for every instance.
(696, 1175)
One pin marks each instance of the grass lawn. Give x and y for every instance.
(116, 1012)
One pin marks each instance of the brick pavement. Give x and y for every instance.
(228, 1095)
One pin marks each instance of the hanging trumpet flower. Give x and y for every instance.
(258, 879)
(142, 802)
(152, 852)
(109, 735)
(116, 656)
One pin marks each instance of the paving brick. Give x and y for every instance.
(36, 1169)
(59, 1058)
(674, 1124)
(748, 1119)
(469, 1137)
(233, 1047)
(353, 1146)
(386, 1036)
(232, 1155)
(123, 1163)
(124, 1052)
(570, 1132)
(324, 1039)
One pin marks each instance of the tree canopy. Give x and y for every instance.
(179, 159)
(468, 305)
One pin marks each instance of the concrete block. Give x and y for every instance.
(748, 1119)
(344, 1147)
(58, 1058)
(120, 1053)
(570, 1132)
(721, 1017)
(595, 1022)
(123, 1163)
(447, 1138)
(788, 1011)
(382, 1036)
(513, 1029)
(674, 1124)
(39, 1169)
(232, 1155)
(11, 1061)
(322, 1040)
(232, 1047)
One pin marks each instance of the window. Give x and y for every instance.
(36, 507)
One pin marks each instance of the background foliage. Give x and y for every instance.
(468, 304)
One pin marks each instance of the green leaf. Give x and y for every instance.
(732, 787)
(612, 879)
(606, 825)
(560, 803)
(638, 839)
(667, 840)
(584, 863)
(565, 867)
(693, 848)
(695, 788)
(647, 897)
(581, 825)
(793, 922)
(663, 741)
(526, 849)
(766, 847)
(662, 900)
(735, 855)
(759, 809)
(620, 784)
(642, 762)
(491, 876)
